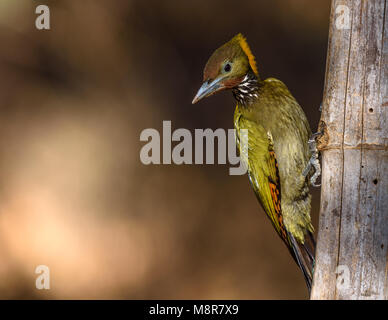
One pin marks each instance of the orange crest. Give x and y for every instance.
(245, 47)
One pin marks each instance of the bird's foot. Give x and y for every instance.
(314, 160)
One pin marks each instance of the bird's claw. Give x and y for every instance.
(314, 160)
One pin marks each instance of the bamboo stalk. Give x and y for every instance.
(351, 255)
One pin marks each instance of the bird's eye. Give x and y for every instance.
(227, 67)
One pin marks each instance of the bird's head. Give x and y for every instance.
(227, 67)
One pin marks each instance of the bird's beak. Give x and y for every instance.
(208, 88)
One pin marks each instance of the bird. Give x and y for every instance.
(273, 137)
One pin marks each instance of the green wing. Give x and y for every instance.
(259, 156)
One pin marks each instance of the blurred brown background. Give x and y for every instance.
(73, 193)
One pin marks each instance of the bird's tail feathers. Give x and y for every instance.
(304, 256)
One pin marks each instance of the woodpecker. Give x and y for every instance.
(278, 156)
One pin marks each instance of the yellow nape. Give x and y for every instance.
(245, 47)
